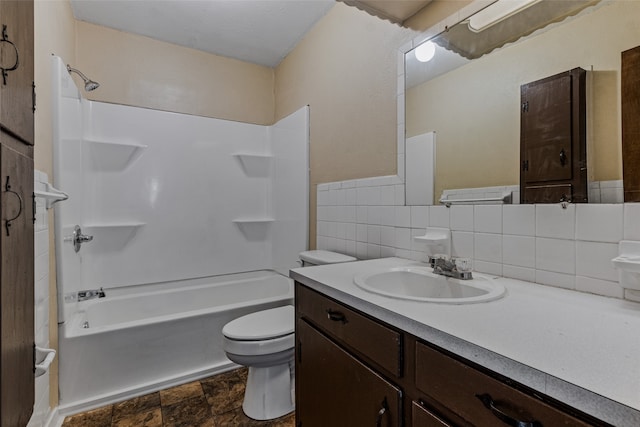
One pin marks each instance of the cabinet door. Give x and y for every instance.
(553, 139)
(16, 86)
(16, 288)
(335, 389)
(422, 417)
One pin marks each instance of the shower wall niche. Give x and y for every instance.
(171, 196)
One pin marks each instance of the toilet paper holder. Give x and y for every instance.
(44, 358)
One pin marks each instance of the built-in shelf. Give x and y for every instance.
(628, 264)
(254, 228)
(113, 156)
(254, 164)
(111, 236)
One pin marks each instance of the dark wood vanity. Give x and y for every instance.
(354, 370)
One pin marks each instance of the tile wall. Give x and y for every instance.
(570, 248)
(41, 299)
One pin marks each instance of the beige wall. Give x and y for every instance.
(54, 34)
(137, 70)
(476, 115)
(346, 70)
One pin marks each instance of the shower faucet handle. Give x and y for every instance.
(77, 238)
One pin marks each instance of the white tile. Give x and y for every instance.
(491, 268)
(323, 198)
(323, 187)
(519, 251)
(350, 248)
(372, 196)
(558, 280)
(323, 228)
(361, 196)
(415, 244)
(350, 214)
(340, 230)
(403, 253)
(323, 213)
(388, 236)
(335, 185)
(611, 195)
(399, 194)
(403, 216)
(593, 259)
(373, 251)
(419, 216)
(322, 242)
(418, 256)
(520, 273)
(519, 220)
(387, 195)
(556, 255)
(373, 234)
(361, 214)
(632, 295)
(350, 231)
(599, 222)
(462, 218)
(387, 215)
(361, 250)
(462, 244)
(555, 222)
(488, 247)
(361, 232)
(599, 287)
(401, 167)
(350, 197)
(349, 184)
(439, 216)
(364, 182)
(403, 238)
(387, 251)
(632, 221)
(374, 215)
(487, 218)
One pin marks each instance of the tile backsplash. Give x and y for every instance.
(570, 248)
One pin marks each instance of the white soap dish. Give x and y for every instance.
(438, 240)
(628, 264)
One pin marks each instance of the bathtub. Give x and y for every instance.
(145, 338)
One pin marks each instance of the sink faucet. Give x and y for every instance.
(458, 268)
(90, 294)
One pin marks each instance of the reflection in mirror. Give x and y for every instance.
(469, 93)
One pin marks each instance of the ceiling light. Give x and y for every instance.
(425, 52)
(496, 12)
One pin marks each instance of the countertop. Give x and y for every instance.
(578, 348)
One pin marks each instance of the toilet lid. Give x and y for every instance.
(319, 257)
(262, 325)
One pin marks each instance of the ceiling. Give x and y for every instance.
(257, 31)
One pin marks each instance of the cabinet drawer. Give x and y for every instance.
(366, 337)
(479, 398)
(422, 417)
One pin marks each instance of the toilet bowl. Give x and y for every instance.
(264, 341)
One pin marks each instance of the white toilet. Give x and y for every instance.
(264, 342)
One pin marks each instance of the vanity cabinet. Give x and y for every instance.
(353, 370)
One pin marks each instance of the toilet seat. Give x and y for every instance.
(261, 347)
(262, 325)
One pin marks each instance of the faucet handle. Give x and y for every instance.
(463, 265)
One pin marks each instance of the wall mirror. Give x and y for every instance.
(468, 92)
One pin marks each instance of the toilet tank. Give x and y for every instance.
(321, 257)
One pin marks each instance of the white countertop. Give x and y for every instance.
(579, 348)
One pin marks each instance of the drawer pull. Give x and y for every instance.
(383, 410)
(336, 316)
(488, 402)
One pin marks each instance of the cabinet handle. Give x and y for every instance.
(4, 70)
(336, 316)
(488, 402)
(563, 157)
(8, 222)
(383, 410)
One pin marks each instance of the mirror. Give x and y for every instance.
(469, 93)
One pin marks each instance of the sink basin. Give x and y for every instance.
(420, 284)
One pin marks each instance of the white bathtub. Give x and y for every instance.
(145, 338)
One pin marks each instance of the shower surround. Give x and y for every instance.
(168, 198)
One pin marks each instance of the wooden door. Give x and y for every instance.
(631, 124)
(335, 389)
(16, 211)
(553, 139)
(17, 98)
(16, 292)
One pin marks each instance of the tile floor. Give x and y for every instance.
(211, 402)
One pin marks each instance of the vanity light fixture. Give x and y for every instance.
(425, 52)
(496, 12)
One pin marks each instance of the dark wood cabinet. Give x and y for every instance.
(553, 150)
(16, 210)
(630, 97)
(343, 379)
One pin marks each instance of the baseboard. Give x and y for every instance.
(54, 419)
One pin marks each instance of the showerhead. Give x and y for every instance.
(89, 84)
